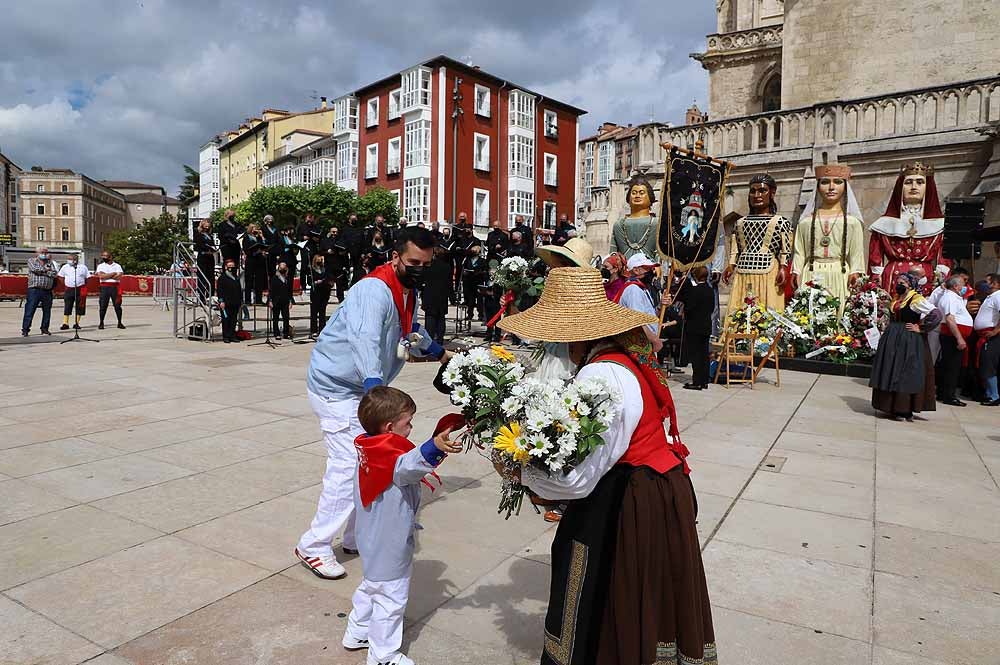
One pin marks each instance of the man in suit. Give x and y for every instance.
(698, 299)
(354, 240)
(279, 300)
(497, 242)
(527, 233)
(229, 242)
(309, 232)
(272, 243)
(230, 300)
(338, 260)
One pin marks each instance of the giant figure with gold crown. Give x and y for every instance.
(911, 232)
(830, 237)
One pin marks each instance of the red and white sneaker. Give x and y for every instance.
(325, 567)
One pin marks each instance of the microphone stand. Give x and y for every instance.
(267, 328)
(76, 313)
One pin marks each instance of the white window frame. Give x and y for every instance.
(522, 110)
(40, 188)
(39, 208)
(40, 234)
(347, 161)
(371, 117)
(480, 216)
(417, 140)
(416, 89)
(395, 97)
(521, 157)
(481, 152)
(138, 207)
(346, 114)
(417, 199)
(64, 189)
(521, 203)
(394, 155)
(64, 206)
(482, 101)
(549, 215)
(605, 165)
(550, 124)
(551, 173)
(399, 197)
(371, 161)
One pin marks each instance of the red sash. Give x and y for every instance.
(966, 332)
(387, 274)
(377, 457)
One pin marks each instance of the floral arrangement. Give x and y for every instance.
(840, 348)
(753, 318)
(480, 380)
(866, 307)
(512, 274)
(815, 310)
(551, 426)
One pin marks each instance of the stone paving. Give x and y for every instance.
(152, 490)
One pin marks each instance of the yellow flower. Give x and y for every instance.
(502, 353)
(506, 441)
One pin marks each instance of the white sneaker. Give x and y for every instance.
(352, 644)
(325, 566)
(398, 659)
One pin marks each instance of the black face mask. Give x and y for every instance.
(413, 278)
(107, 259)
(901, 289)
(232, 269)
(605, 273)
(647, 278)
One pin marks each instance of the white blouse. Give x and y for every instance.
(581, 480)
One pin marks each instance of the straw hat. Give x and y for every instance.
(574, 308)
(577, 251)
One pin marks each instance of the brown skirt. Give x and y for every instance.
(657, 609)
(903, 403)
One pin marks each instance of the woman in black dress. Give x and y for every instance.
(319, 295)
(255, 266)
(204, 244)
(902, 379)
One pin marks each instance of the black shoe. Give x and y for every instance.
(349, 552)
(76, 326)
(100, 326)
(46, 331)
(993, 402)
(693, 386)
(226, 340)
(953, 402)
(64, 326)
(120, 326)
(24, 333)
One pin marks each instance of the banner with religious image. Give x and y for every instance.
(690, 208)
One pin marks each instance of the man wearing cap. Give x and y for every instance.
(636, 294)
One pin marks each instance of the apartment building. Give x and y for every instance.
(144, 201)
(65, 210)
(8, 195)
(209, 187)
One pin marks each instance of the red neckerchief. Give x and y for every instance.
(387, 274)
(377, 457)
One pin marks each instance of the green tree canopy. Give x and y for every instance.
(377, 201)
(148, 248)
(192, 180)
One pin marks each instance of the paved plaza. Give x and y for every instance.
(152, 491)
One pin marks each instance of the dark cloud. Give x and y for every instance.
(132, 88)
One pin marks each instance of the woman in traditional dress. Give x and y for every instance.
(628, 585)
(902, 379)
(613, 271)
(830, 237)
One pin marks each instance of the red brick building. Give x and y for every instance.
(449, 138)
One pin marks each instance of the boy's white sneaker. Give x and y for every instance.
(352, 644)
(325, 567)
(398, 659)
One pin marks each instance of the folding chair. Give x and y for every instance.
(772, 355)
(731, 355)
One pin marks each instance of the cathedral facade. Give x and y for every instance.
(794, 84)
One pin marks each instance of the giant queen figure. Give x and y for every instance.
(830, 237)
(636, 232)
(911, 232)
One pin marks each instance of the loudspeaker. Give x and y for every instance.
(963, 218)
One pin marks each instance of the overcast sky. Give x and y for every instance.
(129, 89)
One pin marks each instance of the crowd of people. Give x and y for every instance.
(328, 262)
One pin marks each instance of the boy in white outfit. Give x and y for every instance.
(386, 499)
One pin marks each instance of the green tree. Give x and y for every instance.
(377, 201)
(149, 247)
(192, 183)
(331, 204)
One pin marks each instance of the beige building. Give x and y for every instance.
(8, 196)
(245, 152)
(143, 200)
(867, 83)
(64, 210)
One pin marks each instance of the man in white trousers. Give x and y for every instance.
(364, 344)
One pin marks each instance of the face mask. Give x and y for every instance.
(283, 270)
(901, 289)
(231, 269)
(107, 259)
(72, 262)
(647, 279)
(962, 291)
(43, 257)
(413, 278)
(921, 281)
(606, 274)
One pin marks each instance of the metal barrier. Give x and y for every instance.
(163, 290)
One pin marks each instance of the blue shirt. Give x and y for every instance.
(357, 348)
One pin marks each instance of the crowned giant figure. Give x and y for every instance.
(911, 232)
(830, 237)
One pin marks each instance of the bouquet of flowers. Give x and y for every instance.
(480, 381)
(867, 307)
(551, 426)
(840, 348)
(754, 318)
(815, 310)
(511, 274)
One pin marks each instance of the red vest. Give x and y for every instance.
(649, 445)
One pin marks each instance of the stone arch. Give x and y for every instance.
(888, 118)
(851, 123)
(993, 113)
(949, 115)
(793, 130)
(748, 142)
(762, 133)
(769, 90)
(973, 106)
(732, 133)
(928, 116)
(869, 121)
(907, 118)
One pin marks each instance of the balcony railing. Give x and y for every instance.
(926, 111)
(764, 37)
(392, 166)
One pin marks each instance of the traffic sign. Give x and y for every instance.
(7, 239)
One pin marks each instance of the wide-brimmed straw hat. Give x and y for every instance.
(577, 251)
(574, 308)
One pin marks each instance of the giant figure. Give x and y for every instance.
(636, 232)
(911, 231)
(830, 237)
